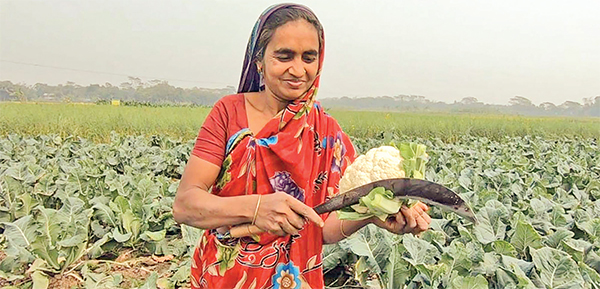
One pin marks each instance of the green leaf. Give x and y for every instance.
(525, 236)
(421, 252)
(506, 279)
(373, 243)
(576, 248)
(96, 250)
(478, 282)
(131, 223)
(555, 238)
(559, 218)
(489, 265)
(432, 236)
(398, 270)
(333, 255)
(414, 159)
(491, 227)
(21, 232)
(517, 275)
(557, 269)
(40, 280)
(460, 256)
(75, 240)
(504, 248)
(147, 189)
(27, 204)
(590, 276)
(191, 235)
(523, 265)
(182, 274)
(154, 236)
(42, 248)
(120, 237)
(103, 212)
(432, 275)
(10, 277)
(592, 227)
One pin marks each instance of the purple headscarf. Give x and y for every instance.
(251, 81)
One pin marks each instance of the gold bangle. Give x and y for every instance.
(256, 210)
(342, 229)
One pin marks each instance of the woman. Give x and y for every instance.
(266, 156)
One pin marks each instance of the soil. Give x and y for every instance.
(134, 270)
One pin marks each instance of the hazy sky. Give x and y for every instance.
(444, 50)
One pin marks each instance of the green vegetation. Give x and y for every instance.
(364, 124)
(95, 122)
(72, 207)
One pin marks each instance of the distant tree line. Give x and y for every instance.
(132, 91)
(159, 92)
(517, 105)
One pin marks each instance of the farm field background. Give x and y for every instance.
(95, 122)
(86, 193)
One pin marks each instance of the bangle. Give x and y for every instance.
(256, 210)
(342, 229)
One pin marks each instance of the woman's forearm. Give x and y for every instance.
(198, 208)
(332, 231)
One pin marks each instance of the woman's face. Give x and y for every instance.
(291, 60)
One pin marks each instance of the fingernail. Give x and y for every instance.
(321, 224)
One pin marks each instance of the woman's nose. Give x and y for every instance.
(297, 68)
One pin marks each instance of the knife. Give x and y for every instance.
(403, 188)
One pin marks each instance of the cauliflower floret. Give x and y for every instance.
(379, 163)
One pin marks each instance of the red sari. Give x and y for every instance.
(305, 159)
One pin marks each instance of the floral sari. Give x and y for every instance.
(303, 152)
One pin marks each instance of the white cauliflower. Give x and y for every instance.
(379, 163)
(384, 162)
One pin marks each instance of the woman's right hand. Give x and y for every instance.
(281, 214)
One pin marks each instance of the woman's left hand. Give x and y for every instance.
(408, 220)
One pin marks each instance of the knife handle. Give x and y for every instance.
(244, 230)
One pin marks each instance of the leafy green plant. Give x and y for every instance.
(67, 203)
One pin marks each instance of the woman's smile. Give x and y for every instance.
(294, 83)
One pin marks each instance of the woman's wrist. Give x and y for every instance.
(215, 211)
(240, 207)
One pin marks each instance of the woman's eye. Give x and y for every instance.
(309, 59)
(284, 58)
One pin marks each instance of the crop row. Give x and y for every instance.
(65, 201)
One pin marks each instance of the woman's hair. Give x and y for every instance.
(278, 19)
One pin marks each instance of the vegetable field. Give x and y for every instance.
(93, 210)
(96, 122)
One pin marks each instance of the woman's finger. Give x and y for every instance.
(296, 220)
(426, 217)
(305, 211)
(423, 206)
(411, 221)
(422, 223)
(275, 229)
(401, 221)
(288, 228)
